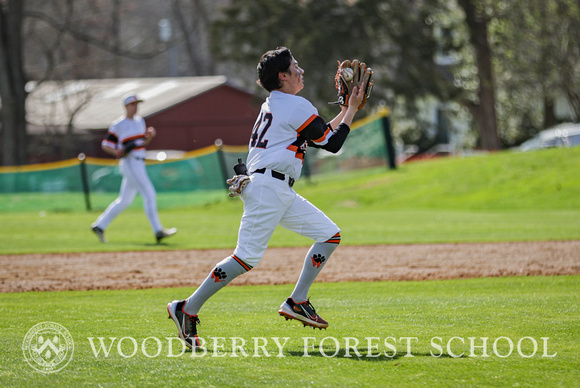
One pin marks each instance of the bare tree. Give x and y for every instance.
(12, 81)
(62, 25)
(188, 31)
(482, 110)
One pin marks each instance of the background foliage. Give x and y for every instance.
(425, 54)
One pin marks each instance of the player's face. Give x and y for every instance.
(131, 108)
(295, 77)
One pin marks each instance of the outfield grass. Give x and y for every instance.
(437, 313)
(217, 227)
(497, 197)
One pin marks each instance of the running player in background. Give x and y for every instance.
(286, 125)
(126, 140)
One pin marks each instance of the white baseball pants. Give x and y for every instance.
(135, 180)
(269, 202)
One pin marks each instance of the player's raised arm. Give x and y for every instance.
(334, 139)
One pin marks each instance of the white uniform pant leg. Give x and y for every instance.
(126, 196)
(266, 199)
(136, 173)
(307, 220)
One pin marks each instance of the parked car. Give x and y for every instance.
(563, 135)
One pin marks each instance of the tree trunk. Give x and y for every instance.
(12, 82)
(549, 115)
(116, 36)
(485, 117)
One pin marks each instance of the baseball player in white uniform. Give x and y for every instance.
(126, 140)
(286, 125)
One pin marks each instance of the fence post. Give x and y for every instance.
(390, 148)
(222, 161)
(85, 181)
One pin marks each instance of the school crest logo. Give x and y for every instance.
(48, 347)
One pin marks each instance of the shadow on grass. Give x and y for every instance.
(363, 354)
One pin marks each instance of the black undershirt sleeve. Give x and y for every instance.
(317, 128)
(337, 140)
(110, 137)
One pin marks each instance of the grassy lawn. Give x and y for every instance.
(518, 331)
(384, 333)
(496, 197)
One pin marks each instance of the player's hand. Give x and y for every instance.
(150, 133)
(238, 184)
(357, 96)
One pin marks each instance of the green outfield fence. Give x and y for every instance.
(205, 169)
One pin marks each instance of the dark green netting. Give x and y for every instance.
(364, 147)
(48, 180)
(189, 174)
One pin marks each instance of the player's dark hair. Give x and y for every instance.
(271, 64)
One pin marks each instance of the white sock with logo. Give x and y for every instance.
(224, 272)
(313, 263)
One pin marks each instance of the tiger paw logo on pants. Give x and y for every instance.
(48, 347)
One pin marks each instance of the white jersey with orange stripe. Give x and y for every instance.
(282, 132)
(124, 130)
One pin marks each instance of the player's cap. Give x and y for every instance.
(130, 98)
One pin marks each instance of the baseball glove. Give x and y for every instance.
(124, 152)
(238, 184)
(349, 75)
(129, 146)
(240, 180)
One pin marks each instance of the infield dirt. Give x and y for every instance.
(154, 269)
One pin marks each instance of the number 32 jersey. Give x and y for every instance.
(284, 127)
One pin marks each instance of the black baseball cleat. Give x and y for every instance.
(100, 233)
(303, 312)
(186, 324)
(165, 233)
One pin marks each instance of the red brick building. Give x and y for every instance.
(69, 117)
